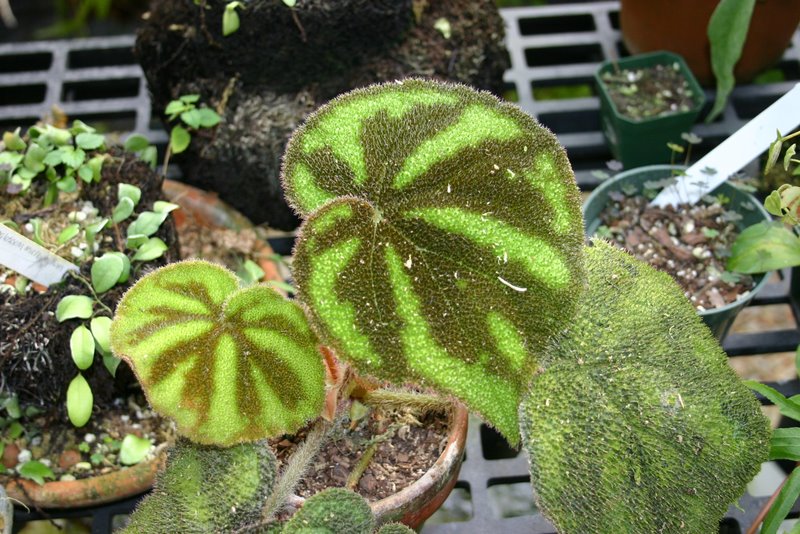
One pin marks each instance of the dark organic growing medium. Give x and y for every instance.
(649, 92)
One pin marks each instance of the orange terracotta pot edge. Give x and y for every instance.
(91, 491)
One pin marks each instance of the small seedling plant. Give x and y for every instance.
(442, 245)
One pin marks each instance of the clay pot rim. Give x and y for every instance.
(90, 491)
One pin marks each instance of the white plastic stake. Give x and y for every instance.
(32, 261)
(727, 158)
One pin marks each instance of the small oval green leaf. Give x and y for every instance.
(161, 206)
(129, 191)
(81, 346)
(74, 307)
(133, 449)
(101, 331)
(122, 210)
(79, 401)
(85, 172)
(136, 143)
(230, 20)
(89, 141)
(207, 117)
(106, 272)
(111, 362)
(153, 248)
(179, 139)
(147, 223)
(126, 266)
(36, 471)
(68, 233)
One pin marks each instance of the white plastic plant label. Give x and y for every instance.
(745, 145)
(32, 261)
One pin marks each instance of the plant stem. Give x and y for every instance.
(767, 505)
(89, 285)
(366, 457)
(295, 469)
(165, 165)
(392, 399)
(361, 466)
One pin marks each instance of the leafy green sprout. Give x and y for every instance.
(230, 17)
(190, 118)
(56, 155)
(108, 271)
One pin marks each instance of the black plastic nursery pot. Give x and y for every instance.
(719, 320)
(644, 142)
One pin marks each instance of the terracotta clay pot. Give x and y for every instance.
(204, 209)
(680, 26)
(86, 491)
(198, 208)
(415, 503)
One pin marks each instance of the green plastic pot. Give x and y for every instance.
(644, 142)
(719, 320)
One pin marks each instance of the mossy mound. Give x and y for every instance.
(207, 489)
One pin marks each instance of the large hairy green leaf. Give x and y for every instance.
(636, 423)
(442, 240)
(228, 364)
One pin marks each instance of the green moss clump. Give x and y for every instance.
(332, 511)
(442, 240)
(207, 489)
(637, 423)
(395, 528)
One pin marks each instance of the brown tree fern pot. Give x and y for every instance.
(415, 503)
(680, 26)
(198, 209)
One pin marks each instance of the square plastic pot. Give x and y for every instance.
(644, 142)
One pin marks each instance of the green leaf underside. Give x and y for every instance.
(207, 489)
(443, 224)
(763, 247)
(228, 364)
(727, 31)
(636, 422)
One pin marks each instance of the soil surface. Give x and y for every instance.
(283, 63)
(408, 446)
(649, 92)
(690, 242)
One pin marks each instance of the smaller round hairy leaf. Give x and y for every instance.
(228, 364)
(333, 510)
